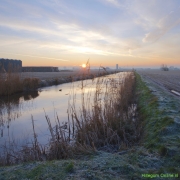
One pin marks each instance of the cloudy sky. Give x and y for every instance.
(130, 33)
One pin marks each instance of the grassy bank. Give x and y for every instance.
(156, 153)
(156, 122)
(161, 136)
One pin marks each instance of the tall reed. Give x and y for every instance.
(11, 83)
(106, 120)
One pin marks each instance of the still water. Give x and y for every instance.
(16, 111)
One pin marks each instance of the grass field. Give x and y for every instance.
(170, 80)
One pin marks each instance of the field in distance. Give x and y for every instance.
(62, 74)
(169, 80)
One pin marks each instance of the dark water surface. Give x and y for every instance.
(16, 111)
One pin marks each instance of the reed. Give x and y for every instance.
(11, 83)
(30, 84)
(106, 121)
(109, 123)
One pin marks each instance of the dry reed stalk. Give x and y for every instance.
(106, 124)
(35, 136)
(37, 150)
(30, 84)
(109, 123)
(11, 82)
(50, 127)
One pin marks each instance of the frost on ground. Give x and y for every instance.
(157, 153)
(169, 80)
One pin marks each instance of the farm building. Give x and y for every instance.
(40, 69)
(10, 65)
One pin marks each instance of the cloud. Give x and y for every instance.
(63, 28)
(114, 2)
(164, 25)
(66, 37)
(36, 56)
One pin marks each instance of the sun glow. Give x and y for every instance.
(83, 65)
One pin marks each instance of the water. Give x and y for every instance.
(16, 112)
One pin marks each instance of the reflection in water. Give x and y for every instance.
(16, 111)
(12, 107)
(14, 99)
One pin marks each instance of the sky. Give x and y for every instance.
(131, 33)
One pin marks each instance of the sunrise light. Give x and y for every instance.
(83, 65)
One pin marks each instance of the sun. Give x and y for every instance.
(83, 65)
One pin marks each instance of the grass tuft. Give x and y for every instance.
(69, 167)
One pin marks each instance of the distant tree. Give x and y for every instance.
(164, 67)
